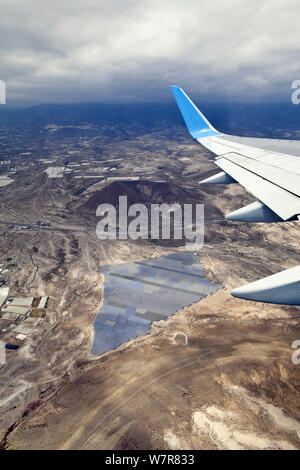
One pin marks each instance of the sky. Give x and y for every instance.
(133, 50)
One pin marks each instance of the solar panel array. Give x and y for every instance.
(136, 294)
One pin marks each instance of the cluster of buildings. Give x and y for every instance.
(19, 316)
(105, 170)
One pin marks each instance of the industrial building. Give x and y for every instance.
(16, 309)
(21, 301)
(43, 302)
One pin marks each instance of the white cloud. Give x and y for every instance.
(133, 50)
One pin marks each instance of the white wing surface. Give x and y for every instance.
(267, 168)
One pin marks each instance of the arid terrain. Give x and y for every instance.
(216, 375)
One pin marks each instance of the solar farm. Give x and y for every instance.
(136, 294)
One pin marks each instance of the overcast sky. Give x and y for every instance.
(132, 50)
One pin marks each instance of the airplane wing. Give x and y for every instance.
(267, 168)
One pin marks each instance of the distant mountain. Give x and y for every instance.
(258, 119)
(91, 113)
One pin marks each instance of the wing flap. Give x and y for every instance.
(279, 176)
(283, 203)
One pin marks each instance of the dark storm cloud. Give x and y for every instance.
(132, 50)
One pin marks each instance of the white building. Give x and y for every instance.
(43, 302)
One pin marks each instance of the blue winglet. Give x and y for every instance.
(196, 123)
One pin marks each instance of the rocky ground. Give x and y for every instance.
(216, 375)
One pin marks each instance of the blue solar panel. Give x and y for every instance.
(135, 294)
